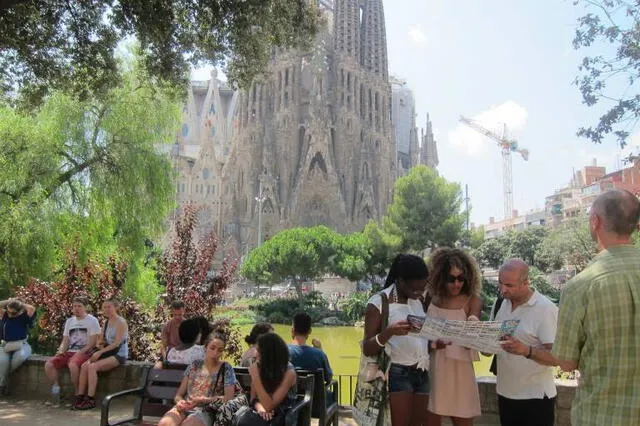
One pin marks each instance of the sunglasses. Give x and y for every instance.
(459, 278)
(12, 313)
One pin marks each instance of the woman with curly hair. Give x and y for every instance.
(455, 285)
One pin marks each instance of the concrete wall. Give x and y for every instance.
(30, 381)
(489, 401)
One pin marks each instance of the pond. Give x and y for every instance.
(342, 346)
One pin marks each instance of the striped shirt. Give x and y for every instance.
(599, 328)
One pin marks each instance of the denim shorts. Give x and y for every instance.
(405, 378)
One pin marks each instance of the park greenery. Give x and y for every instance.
(54, 45)
(85, 174)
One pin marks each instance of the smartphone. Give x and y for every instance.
(416, 322)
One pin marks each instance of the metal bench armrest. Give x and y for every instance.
(106, 403)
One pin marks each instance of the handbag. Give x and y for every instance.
(14, 346)
(493, 369)
(111, 352)
(247, 416)
(370, 403)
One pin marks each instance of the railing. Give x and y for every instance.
(346, 388)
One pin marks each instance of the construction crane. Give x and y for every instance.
(507, 146)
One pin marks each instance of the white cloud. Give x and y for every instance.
(417, 35)
(472, 143)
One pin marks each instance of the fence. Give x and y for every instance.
(346, 388)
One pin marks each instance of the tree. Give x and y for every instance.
(525, 244)
(614, 24)
(492, 253)
(540, 283)
(383, 247)
(61, 45)
(296, 254)
(426, 210)
(569, 244)
(87, 172)
(185, 270)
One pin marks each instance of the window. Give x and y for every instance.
(185, 130)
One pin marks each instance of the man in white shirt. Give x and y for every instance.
(80, 335)
(525, 382)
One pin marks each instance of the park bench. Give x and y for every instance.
(305, 395)
(153, 398)
(321, 409)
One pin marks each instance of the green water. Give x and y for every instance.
(342, 346)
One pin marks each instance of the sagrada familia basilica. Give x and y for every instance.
(313, 143)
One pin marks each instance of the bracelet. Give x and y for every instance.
(530, 352)
(378, 341)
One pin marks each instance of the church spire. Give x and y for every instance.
(374, 41)
(347, 27)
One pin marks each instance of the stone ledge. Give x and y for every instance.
(566, 390)
(30, 380)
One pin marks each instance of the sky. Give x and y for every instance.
(500, 62)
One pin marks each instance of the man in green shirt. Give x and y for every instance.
(599, 319)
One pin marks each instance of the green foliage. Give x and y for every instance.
(383, 247)
(490, 293)
(611, 25)
(492, 252)
(538, 281)
(523, 244)
(85, 174)
(353, 257)
(53, 44)
(305, 254)
(426, 210)
(352, 307)
(569, 244)
(282, 310)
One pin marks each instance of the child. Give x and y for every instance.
(209, 393)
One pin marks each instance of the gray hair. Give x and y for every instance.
(619, 210)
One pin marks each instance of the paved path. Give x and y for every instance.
(15, 412)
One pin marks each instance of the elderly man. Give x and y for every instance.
(525, 382)
(599, 321)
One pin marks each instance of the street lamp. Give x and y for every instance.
(260, 199)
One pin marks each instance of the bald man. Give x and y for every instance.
(525, 383)
(599, 320)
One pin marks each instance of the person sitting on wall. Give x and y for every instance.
(79, 337)
(16, 320)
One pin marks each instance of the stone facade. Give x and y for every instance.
(310, 143)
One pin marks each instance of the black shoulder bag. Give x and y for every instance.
(494, 362)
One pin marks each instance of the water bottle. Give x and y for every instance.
(55, 394)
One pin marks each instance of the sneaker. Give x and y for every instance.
(77, 401)
(87, 404)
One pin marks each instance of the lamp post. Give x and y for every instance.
(260, 199)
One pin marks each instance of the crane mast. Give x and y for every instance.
(506, 147)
